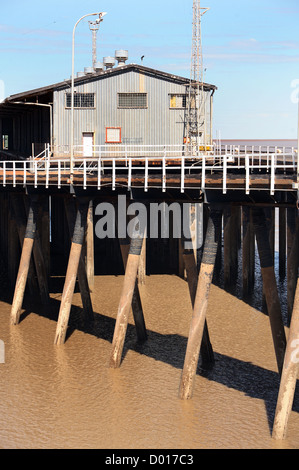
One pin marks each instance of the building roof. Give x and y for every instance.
(39, 92)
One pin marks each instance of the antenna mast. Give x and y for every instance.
(196, 88)
(94, 28)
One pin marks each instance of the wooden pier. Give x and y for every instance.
(46, 209)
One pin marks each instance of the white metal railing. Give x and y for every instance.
(42, 157)
(46, 171)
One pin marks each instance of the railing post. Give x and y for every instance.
(224, 173)
(130, 174)
(4, 174)
(203, 176)
(47, 173)
(99, 172)
(35, 174)
(146, 174)
(247, 174)
(164, 172)
(84, 174)
(182, 175)
(272, 186)
(113, 174)
(14, 173)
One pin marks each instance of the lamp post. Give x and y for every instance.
(100, 18)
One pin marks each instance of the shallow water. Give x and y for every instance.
(68, 397)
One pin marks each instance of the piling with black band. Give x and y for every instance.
(198, 321)
(80, 224)
(136, 246)
(206, 349)
(72, 270)
(30, 234)
(72, 218)
(270, 285)
(127, 297)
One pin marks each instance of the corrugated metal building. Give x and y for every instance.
(128, 104)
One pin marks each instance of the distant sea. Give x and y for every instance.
(262, 142)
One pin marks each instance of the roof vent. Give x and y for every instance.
(88, 70)
(109, 62)
(98, 66)
(121, 56)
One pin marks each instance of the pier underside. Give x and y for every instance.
(51, 216)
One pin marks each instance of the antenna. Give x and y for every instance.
(94, 28)
(196, 87)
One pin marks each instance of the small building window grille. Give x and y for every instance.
(81, 100)
(132, 100)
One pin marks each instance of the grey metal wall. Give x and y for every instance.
(156, 125)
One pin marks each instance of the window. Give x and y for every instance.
(5, 142)
(178, 101)
(81, 100)
(113, 135)
(132, 100)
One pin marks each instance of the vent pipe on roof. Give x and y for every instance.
(121, 57)
(98, 67)
(109, 62)
(88, 70)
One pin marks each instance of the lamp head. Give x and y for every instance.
(100, 18)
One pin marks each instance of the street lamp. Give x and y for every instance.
(98, 20)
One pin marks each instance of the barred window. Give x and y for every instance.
(81, 100)
(132, 100)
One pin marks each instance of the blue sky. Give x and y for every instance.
(251, 51)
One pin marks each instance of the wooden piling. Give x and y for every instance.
(44, 231)
(292, 256)
(289, 375)
(72, 270)
(200, 305)
(71, 215)
(142, 264)
(206, 349)
(90, 247)
(18, 213)
(126, 301)
(13, 246)
(282, 242)
(137, 309)
(269, 285)
(248, 251)
(231, 244)
(29, 237)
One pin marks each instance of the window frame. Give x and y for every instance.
(131, 94)
(183, 95)
(115, 141)
(77, 94)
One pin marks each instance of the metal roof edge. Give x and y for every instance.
(103, 74)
